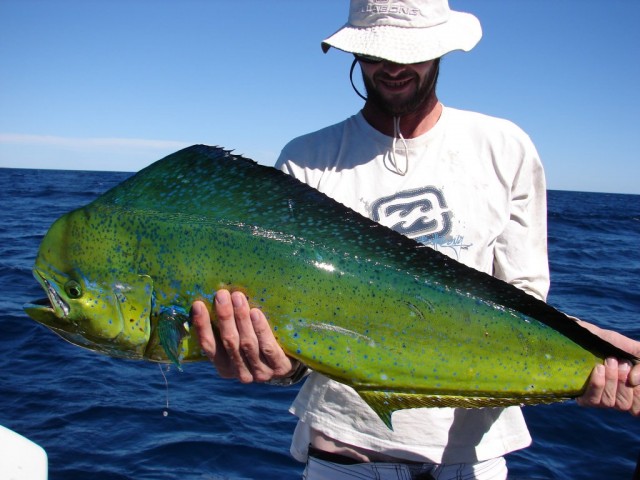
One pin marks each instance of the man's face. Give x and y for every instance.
(399, 89)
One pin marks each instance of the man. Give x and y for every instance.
(466, 184)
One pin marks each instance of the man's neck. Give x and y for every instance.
(412, 124)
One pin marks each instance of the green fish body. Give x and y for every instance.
(402, 324)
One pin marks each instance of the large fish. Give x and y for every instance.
(403, 324)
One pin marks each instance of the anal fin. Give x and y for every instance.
(385, 403)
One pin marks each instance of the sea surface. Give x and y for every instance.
(103, 418)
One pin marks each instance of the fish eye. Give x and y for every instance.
(73, 289)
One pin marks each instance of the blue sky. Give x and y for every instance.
(118, 84)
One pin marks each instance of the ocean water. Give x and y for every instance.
(104, 418)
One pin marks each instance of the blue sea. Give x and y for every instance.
(103, 418)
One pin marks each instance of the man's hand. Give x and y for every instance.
(244, 346)
(616, 384)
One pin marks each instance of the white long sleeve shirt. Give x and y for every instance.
(475, 191)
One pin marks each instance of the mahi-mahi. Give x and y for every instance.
(402, 324)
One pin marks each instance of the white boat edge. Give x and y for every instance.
(20, 458)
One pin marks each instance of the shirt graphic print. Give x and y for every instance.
(421, 214)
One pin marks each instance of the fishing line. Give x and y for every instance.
(165, 413)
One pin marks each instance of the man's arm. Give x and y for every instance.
(520, 258)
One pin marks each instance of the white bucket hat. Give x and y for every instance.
(405, 31)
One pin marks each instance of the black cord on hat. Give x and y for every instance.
(353, 65)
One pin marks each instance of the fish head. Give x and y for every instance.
(104, 309)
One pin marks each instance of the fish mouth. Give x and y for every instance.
(47, 310)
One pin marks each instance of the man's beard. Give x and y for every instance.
(422, 95)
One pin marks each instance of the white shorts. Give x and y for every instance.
(317, 469)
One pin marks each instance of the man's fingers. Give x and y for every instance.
(635, 404)
(230, 337)
(209, 342)
(624, 392)
(595, 388)
(610, 385)
(271, 351)
(634, 376)
(202, 323)
(244, 346)
(610, 391)
(249, 345)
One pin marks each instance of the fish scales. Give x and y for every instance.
(404, 325)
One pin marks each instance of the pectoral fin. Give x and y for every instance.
(173, 328)
(133, 296)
